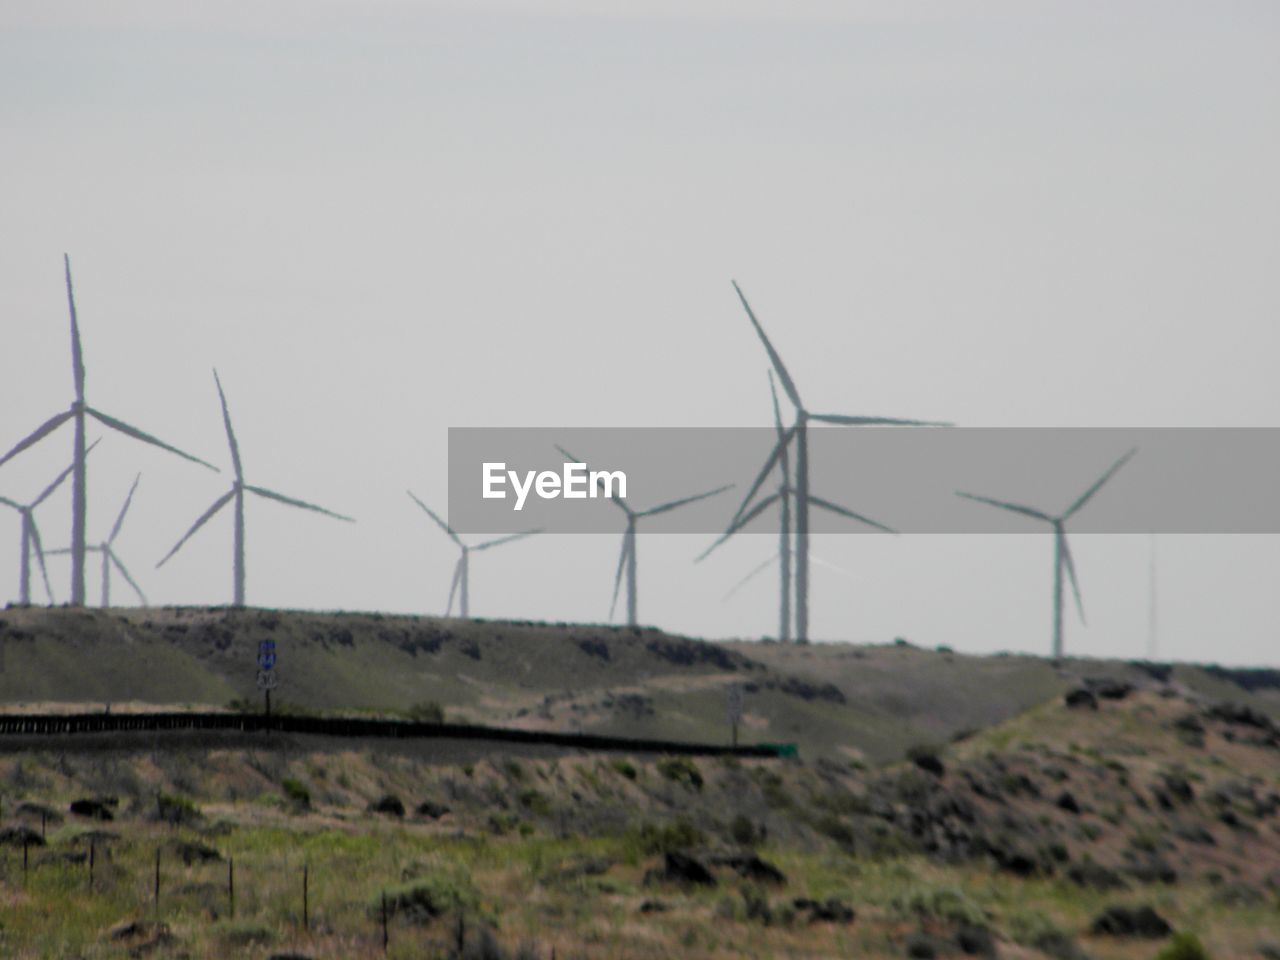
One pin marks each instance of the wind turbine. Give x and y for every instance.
(802, 495)
(109, 556)
(627, 556)
(462, 571)
(779, 457)
(1061, 551)
(237, 492)
(79, 408)
(31, 536)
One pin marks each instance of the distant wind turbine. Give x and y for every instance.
(1061, 550)
(237, 491)
(781, 458)
(109, 557)
(627, 556)
(802, 495)
(79, 408)
(31, 536)
(462, 570)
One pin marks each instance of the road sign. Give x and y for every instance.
(267, 680)
(266, 654)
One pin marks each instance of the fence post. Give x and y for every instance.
(306, 904)
(157, 893)
(231, 886)
(92, 856)
(25, 845)
(384, 921)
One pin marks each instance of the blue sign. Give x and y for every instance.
(266, 654)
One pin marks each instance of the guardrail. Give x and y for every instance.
(90, 723)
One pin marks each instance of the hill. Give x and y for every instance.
(867, 703)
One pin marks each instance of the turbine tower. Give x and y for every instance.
(627, 556)
(77, 412)
(1061, 550)
(109, 557)
(462, 571)
(31, 536)
(802, 495)
(237, 492)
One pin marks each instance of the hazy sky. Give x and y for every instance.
(379, 220)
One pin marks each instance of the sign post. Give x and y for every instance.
(267, 680)
(734, 710)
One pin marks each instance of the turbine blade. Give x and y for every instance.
(1015, 507)
(115, 530)
(44, 571)
(507, 539)
(875, 421)
(846, 512)
(739, 523)
(663, 508)
(1069, 563)
(272, 495)
(750, 576)
(231, 434)
(778, 451)
(431, 513)
(1085, 497)
(787, 383)
(218, 504)
(62, 550)
(599, 483)
(453, 587)
(137, 434)
(48, 491)
(783, 456)
(10, 503)
(42, 431)
(77, 355)
(617, 577)
(111, 554)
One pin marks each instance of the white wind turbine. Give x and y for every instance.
(109, 556)
(627, 556)
(31, 536)
(462, 570)
(780, 458)
(802, 495)
(1061, 550)
(236, 493)
(78, 411)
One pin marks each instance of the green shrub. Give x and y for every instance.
(834, 827)
(668, 837)
(624, 767)
(744, 832)
(296, 793)
(428, 711)
(535, 802)
(175, 810)
(427, 899)
(1184, 946)
(681, 770)
(1039, 932)
(940, 903)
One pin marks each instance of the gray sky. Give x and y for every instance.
(383, 219)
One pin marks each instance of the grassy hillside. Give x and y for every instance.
(840, 701)
(972, 850)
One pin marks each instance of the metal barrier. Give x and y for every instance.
(63, 724)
